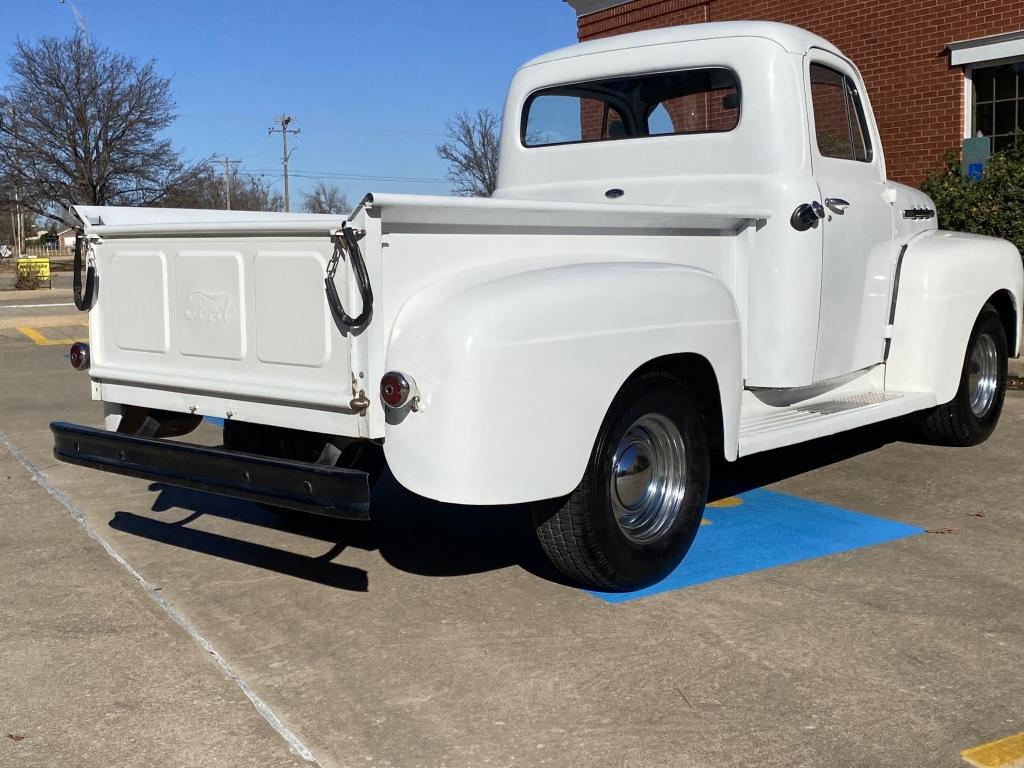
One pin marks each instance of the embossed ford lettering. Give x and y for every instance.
(207, 307)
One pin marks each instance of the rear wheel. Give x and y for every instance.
(632, 518)
(971, 416)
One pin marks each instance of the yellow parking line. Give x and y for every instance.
(42, 341)
(730, 501)
(1002, 753)
(43, 321)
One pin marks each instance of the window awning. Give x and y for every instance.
(583, 7)
(1007, 45)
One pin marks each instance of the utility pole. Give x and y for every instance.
(284, 121)
(227, 175)
(19, 225)
(17, 217)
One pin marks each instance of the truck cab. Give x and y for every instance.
(693, 249)
(750, 113)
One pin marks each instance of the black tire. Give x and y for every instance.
(958, 423)
(582, 535)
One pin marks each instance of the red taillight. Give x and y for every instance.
(79, 356)
(395, 389)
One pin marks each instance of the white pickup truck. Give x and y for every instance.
(693, 249)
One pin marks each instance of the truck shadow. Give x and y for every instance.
(427, 538)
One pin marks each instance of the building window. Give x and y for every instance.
(998, 103)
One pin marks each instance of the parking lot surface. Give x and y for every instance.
(437, 636)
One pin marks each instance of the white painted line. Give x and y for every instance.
(35, 306)
(266, 713)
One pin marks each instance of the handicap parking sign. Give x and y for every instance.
(974, 157)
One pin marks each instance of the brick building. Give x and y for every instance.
(938, 71)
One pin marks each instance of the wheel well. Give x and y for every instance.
(1003, 302)
(699, 376)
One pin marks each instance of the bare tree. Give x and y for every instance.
(8, 226)
(325, 198)
(207, 189)
(472, 152)
(83, 124)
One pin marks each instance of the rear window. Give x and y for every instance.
(665, 104)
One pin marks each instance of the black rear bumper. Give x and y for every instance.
(321, 490)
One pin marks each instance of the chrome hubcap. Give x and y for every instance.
(983, 375)
(648, 479)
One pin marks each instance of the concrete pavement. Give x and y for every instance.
(94, 673)
(436, 636)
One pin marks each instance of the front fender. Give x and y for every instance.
(945, 278)
(516, 369)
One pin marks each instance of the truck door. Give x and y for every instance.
(857, 227)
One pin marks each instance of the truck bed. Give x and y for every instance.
(224, 313)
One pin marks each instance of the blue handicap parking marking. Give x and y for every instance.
(763, 529)
(214, 420)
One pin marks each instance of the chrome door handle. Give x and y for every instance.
(837, 204)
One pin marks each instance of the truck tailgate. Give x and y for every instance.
(233, 311)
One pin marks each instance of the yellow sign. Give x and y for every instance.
(39, 268)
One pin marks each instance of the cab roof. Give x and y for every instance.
(792, 39)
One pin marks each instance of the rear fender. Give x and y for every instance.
(516, 370)
(945, 278)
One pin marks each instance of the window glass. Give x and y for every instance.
(691, 101)
(659, 122)
(861, 143)
(597, 120)
(839, 121)
(999, 103)
(983, 119)
(556, 119)
(983, 85)
(1005, 82)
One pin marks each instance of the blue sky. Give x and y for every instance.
(369, 84)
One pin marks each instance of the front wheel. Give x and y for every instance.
(971, 416)
(634, 515)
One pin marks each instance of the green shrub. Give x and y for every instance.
(992, 206)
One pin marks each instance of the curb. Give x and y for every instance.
(1017, 367)
(41, 293)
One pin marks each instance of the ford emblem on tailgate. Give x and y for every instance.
(206, 307)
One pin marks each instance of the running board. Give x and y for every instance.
(763, 428)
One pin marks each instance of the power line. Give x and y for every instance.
(354, 176)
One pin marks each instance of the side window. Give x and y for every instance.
(839, 121)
